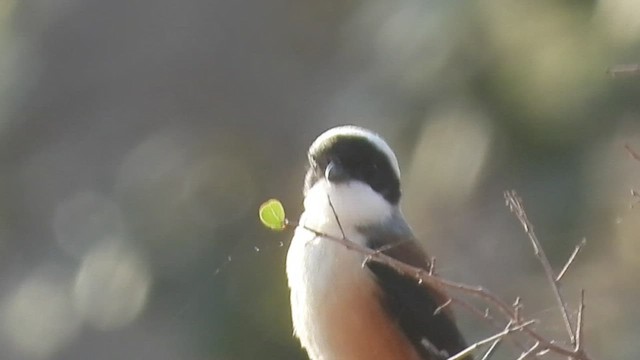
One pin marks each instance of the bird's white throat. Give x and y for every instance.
(355, 203)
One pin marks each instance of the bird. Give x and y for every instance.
(344, 307)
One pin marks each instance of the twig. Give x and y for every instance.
(473, 347)
(517, 306)
(515, 205)
(529, 352)
(391, 245)
(436, 354)
(383, 248)
(636, 196)
(580, 325)
(624, 70)
(543, 352)
(632, 152)
(439, 309)
(486, 316)
(495, 344)
(432, 266)
(571, 259)
(335, 215)
(636, 157)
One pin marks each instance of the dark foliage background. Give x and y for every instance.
(138, 138)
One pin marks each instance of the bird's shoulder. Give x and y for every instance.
(412, 304)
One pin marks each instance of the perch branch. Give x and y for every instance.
(511, 312)
(425, 278)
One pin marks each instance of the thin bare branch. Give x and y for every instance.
(392, 245)
(580, 324)
(636, 198)
(529, 352)
(632, 152)
(543, 352)
(495, 344)
(575, 252)
(515, 205)
(473, 347)
(517, 306)
(436, 354)
(482, 315)
(335, 215)
(384, 248)
(432, 266)
(624, 70)
(486, 316)
(439, 309)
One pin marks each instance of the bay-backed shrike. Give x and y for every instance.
(342, 309)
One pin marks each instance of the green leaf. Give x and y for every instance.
(272, 215)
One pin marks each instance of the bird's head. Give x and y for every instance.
(358, 169)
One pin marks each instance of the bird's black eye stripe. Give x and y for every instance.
(361, 160)
(372, 168)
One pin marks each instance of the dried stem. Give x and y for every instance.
(624, 70)
(636, 196)
(636, 157)
(571, 259)
(495, 344)
(471, 348)
(529, 352)
(486, 316)
(432, 266)
(335, 215)
(515, 205)
(439, 309)
(580, 325)
(632, 152)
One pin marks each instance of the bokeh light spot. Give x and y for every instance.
(38, 318)
(111, 287)
(85, 219)
(449, 156)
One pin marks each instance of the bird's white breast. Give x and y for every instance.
(323, 274)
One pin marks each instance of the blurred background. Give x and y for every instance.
(138, 138)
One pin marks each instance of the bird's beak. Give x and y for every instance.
(335, 173)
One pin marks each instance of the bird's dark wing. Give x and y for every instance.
(411, 304)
